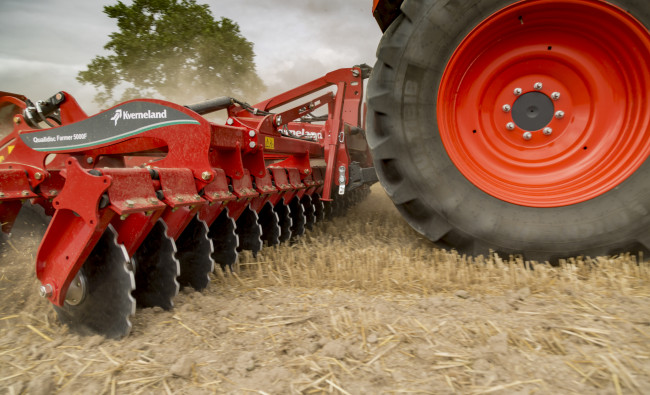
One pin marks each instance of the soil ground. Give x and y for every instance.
(360, 305)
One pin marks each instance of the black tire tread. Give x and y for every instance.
(403, 158)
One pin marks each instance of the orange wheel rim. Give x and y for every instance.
(545, 103)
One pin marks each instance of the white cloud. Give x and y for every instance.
(47, 42)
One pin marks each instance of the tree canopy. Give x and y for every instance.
(174, 50)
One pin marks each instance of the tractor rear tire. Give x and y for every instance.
(446, 175)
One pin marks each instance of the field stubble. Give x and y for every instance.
(361, 304)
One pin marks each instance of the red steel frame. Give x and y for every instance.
(184, 170)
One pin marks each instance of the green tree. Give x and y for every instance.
(174, 50)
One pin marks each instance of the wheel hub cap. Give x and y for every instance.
(532, 111)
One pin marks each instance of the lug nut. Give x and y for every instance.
(559, 114)
(206, 175)
(547, 131)
(252, 144)
(538, 85)
(517, 91)
(38, 175)
(528, 136)
(555, 95)
(45, 291)
(251, 133)
(229, 121)
(506, 108)
(510, 126)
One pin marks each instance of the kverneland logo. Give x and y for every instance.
(120, 114)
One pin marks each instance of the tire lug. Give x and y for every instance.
(559, 114)
(506, 108)
(510, 126)
(527, 136)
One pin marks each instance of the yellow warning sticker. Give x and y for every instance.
(269, 142)
(2, 158)
(10, 148)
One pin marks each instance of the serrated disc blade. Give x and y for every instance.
(194, 252)
(156, 269)
(328, 209)
(27, 231)
(17, 252)
(337, 206)
(224, 240)
(297, 218)
(107, 303)
(270, 223)
(353, 197)
(249, 231)
(284, 220)
(348, 201)
(309, 210)
(319, 208)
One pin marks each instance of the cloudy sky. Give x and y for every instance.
(45, 43)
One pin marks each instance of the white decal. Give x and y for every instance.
(46, 139)
(305, 134)
(119, 114)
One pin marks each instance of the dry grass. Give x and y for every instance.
(362, 304)
(371, 249)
